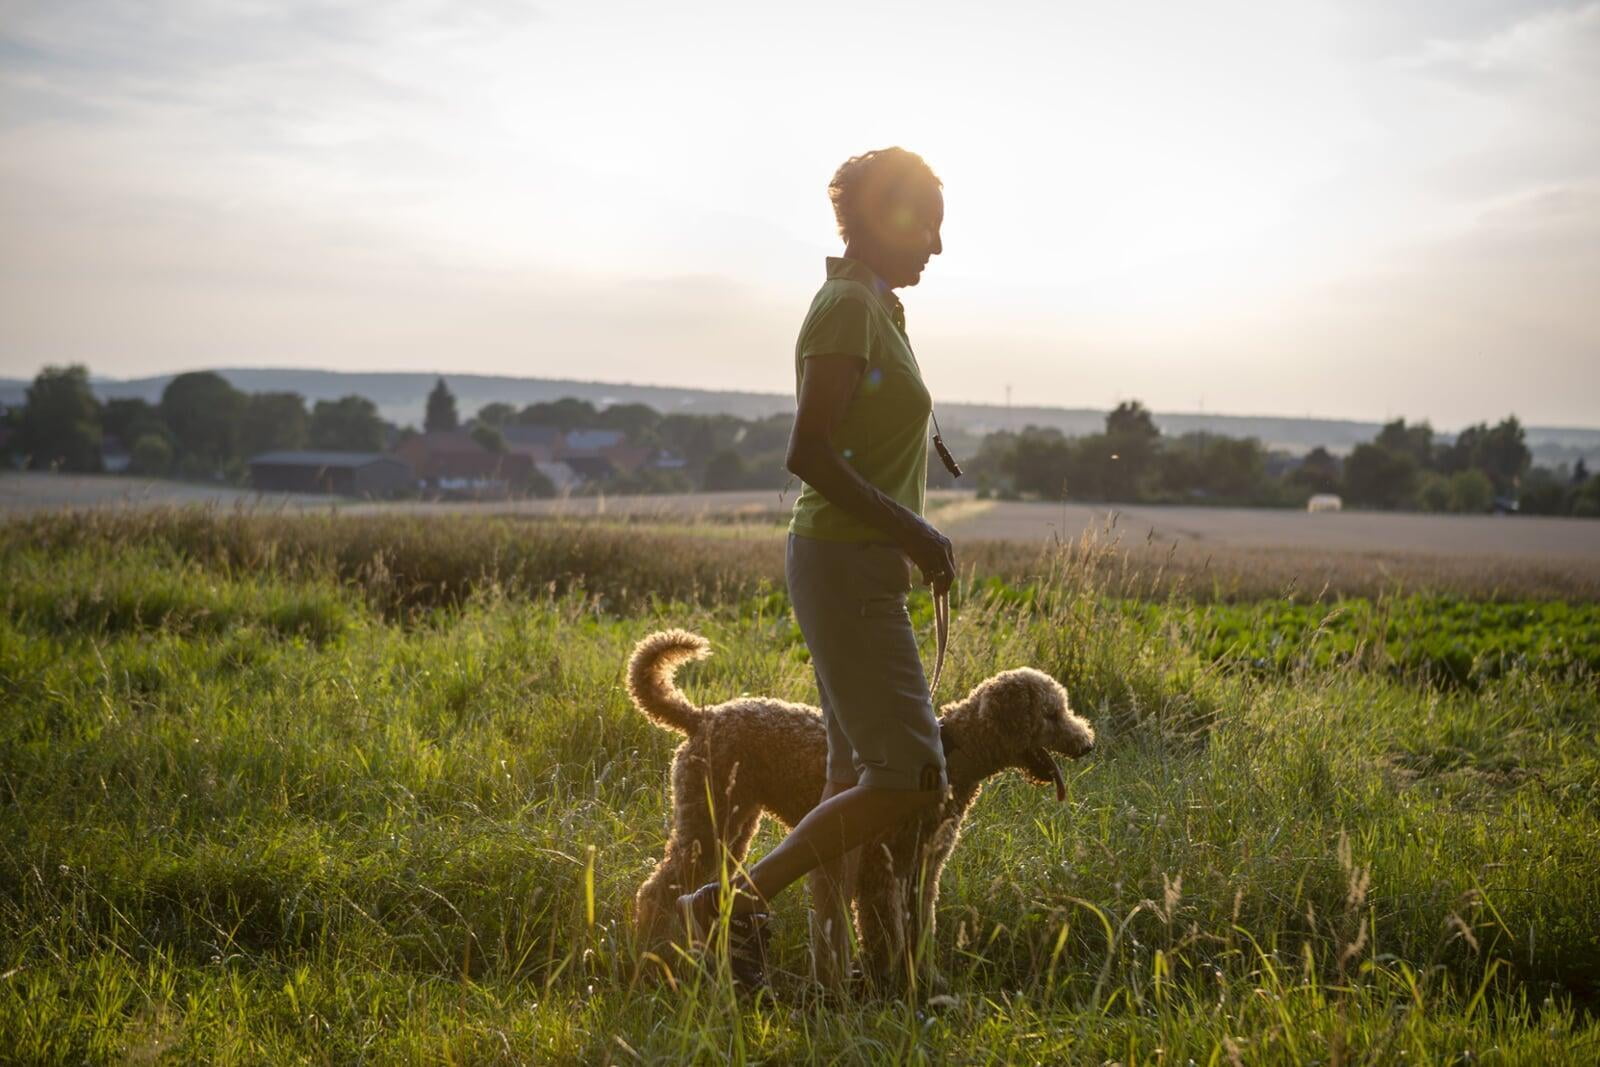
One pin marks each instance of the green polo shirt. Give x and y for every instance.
(884, 432)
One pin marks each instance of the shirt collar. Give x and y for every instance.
(857, 271)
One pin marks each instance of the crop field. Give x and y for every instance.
(369, 789)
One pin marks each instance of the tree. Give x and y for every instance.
(1503, 454)
(349, 424)
(489, 437)
(634, 420)
(1415, 441)
(495, 414)
(1545, 492)
(128, 418)
(568, 413)
(698, 437)
(1130, 419)
(1318, 472)
(725, 470)
(1130, 441)
(1380, 478)
(1039, 461)
(204, 412)
(151, 455)
(1462, 453)
(1500, 452)
(441, 414)
(1580, 472)
(1231, 468)
(60, 423)
(274, 421)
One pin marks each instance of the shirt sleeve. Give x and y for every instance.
(844, 328)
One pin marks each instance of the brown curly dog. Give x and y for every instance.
(757, 756)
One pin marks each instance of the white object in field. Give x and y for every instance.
(1325, 502)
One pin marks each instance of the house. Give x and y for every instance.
(370, 474)
(563, 477)
(599, 454)
(452, 463)
(541, 443)
(593, 441)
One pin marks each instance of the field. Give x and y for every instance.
(339, 789)
(1225, 551)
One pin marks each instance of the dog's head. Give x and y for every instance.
(1021, 719)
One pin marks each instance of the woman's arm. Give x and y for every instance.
(826, 386)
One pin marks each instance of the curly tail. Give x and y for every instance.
(650, 671)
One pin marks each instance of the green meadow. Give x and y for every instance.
(339, 790)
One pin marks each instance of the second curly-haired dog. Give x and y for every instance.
(756, 756)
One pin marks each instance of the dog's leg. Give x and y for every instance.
(922, 935)
(691, 854)
(880, 917)
(830, 921)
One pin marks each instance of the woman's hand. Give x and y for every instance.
(931, 551)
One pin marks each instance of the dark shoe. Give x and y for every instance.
(746, 935)
(747, 951)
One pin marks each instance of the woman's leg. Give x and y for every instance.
(849, 600)
(831, 829)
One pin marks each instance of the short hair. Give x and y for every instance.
(867, 177)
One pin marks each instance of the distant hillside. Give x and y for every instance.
(400, 398)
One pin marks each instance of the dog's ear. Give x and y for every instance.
(1010, 703)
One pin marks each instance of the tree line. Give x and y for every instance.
(1405, 467)
(201, 428)
(204, 428)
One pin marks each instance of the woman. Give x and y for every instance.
(860, 445)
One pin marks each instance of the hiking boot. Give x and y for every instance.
(746, 934)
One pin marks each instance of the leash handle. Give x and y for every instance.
(941, 636)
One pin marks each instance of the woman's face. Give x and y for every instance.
(906, 234)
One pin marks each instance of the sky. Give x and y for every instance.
(1362, 209)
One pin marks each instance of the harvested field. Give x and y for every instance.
(1213, 552)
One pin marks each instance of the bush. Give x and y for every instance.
(152, 455)
(1586, 501)
(1470, 492)
(1435, 494)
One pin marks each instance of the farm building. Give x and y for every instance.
(346, 473)
(450, 462)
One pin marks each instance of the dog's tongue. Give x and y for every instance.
(1045, 767)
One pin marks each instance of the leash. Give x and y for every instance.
(941, 632)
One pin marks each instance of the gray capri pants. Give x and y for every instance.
(850, 600)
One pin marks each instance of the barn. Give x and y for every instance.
(369, 474)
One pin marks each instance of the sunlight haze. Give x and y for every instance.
(1354, 209)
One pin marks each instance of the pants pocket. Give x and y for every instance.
(885, 606)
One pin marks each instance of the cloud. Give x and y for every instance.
(395, 184)
(1551, 55)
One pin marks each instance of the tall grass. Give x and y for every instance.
(264, 799)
